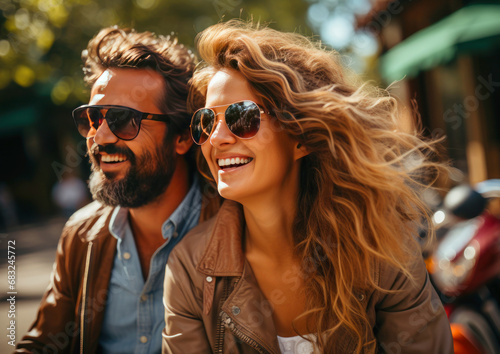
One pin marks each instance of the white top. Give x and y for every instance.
(297, 344)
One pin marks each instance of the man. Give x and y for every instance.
(106, 288)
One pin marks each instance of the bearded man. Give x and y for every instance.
(105, 293)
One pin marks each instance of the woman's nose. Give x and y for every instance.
(221, 134)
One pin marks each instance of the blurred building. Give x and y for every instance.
(446, 54)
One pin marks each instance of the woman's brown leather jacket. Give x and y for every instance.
(213, 303)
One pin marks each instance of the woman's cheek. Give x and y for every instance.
(205, 150)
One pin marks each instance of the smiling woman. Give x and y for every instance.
(313, 249)
(269, 169)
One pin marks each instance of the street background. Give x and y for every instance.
(35, 251)
(440, 58)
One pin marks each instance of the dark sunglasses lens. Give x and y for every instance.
(123, 122)
(87, 121)
(202, 124)
(243, 119)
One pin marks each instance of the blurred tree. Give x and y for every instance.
(336, 23)
(41, 40)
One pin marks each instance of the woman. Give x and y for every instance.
(313, 249)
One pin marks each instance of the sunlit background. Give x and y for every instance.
(418, 42)
(440, 57)
(41, 79)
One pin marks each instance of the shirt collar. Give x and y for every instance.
(173, 225)
(191, 204)
(118, 222)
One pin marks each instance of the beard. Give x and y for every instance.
(147, 178)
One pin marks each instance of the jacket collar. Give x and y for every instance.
(223, 255)
(91, 222)
(251, 312)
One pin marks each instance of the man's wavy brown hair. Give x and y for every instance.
(115, 47)
(360, 185)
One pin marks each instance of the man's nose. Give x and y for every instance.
(221, 134)
(104, 135)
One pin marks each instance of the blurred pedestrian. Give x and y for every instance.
(8, 210)
(70, 194)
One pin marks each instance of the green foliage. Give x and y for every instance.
(41, 40)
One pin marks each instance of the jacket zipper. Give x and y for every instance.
(248, 340)
(84, 296)
(232, 327)
(219, 341)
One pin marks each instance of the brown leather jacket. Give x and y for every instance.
(72, 309)
(71, 312)
(213, 302)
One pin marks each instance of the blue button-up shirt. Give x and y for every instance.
(134, 315)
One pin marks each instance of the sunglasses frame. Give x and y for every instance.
(261, 111)
(142, 115)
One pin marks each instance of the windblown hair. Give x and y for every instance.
(114, 47)
(360, 185)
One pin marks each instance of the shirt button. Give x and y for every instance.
(209, 279)
(144, 297)
(126, 255)
(144, 339)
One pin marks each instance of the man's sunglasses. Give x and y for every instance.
(242, 119)
(124, 122)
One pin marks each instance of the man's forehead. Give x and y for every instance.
(103, 80)
(127, 87)
(146, 79)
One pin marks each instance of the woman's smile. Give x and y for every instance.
(233, 162)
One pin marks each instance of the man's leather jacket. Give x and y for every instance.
(213, 302)
(71, 312)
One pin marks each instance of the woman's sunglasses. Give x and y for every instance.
(242, 119)
(124, 122)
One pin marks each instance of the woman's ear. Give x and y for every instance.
(300, 151)
(182, 143)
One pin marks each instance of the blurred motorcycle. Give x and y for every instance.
(465, 266)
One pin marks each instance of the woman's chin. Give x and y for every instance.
(226, 192)
(230, 193)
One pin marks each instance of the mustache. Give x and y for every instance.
(95, 149)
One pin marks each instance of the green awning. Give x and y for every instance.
(472, 28)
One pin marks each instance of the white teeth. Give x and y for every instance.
(113, 158)
(233, 161)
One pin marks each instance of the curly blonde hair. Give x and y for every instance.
(360, 184)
